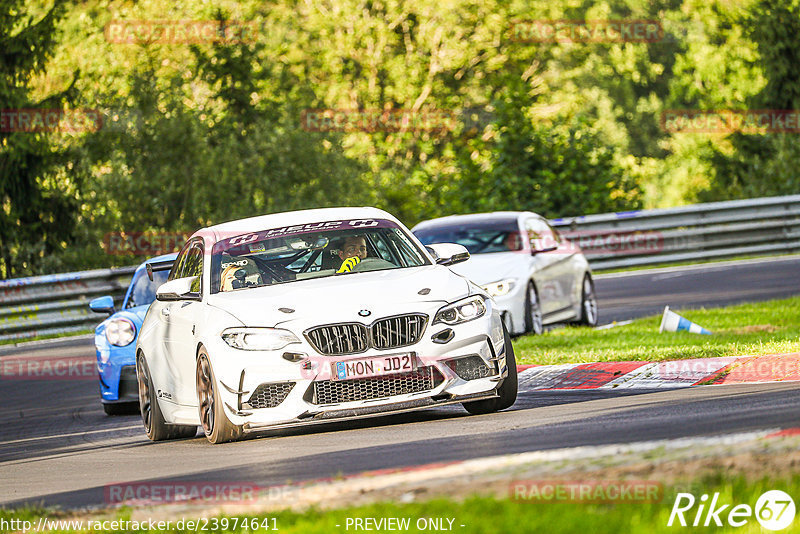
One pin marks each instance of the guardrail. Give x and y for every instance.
(689, 233)
(58, 304)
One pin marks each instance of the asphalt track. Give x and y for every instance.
(57, 447)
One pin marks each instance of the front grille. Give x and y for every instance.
(335, 391)
(269, 395)
(352, 338)
(345, 338)
(400, 331)
(471, 368)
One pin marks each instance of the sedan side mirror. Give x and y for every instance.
(178, 289)
(102, 305)
(448, 253)
(536, 251)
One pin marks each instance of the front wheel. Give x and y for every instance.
(507, 392)
(533, 311)
(216, 425)
(154, 425)
(588, 302)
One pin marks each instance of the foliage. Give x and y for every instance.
(200, 133)
(36, 208)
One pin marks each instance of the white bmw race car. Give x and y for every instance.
(314, 316)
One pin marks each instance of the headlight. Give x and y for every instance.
(498, 289)
(120, 332)
(462, 311)
(258, 338)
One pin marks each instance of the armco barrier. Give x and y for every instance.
(56, 304)
(689, 233)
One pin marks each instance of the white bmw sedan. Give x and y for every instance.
(536, 276)
(314, 316)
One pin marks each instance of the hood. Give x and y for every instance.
(487, 268)
(341, 298)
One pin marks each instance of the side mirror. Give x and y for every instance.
(535, 251)
(102, 305)
(448, 253)
(178, 289)
(154, 266)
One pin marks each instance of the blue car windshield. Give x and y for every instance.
(143, 292)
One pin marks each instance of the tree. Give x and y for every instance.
(765, 164)
(37, 206)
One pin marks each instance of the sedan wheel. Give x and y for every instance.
(588, 303)
(533, 312)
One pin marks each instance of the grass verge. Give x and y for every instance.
(480, 514)
(769, 327)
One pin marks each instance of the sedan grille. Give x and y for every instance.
(352, 338)
(269, 395)
(335, 391)
(400, 331)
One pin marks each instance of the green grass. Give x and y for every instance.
(746, 329)
(485, 515)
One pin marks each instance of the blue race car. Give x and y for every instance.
(115, 338)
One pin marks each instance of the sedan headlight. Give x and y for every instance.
(500, 288)
(258, 338)
(462, 311)
(120, 332)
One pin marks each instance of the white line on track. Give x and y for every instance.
(72, 434)
(696, 267)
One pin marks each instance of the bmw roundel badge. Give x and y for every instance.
(365, 313)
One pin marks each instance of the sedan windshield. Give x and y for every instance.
(478, 238)
(306, 251)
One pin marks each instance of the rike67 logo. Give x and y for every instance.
(774, 510)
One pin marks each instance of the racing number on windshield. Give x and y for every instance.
(243, 239)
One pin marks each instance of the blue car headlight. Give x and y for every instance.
(120, 332)
(461, 311)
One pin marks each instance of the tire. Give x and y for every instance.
(588, 302)
(216, 425)
(121, 408)
(533, 312)
(154, 425)
(507, 392)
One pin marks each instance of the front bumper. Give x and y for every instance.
(302, 389)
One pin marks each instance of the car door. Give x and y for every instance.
(548, 266)
(180, 339)
(567, 267)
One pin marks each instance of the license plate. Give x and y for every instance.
(368, 367)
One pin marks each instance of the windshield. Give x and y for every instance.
(144, 291)
(478, 238)
(316, 250)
